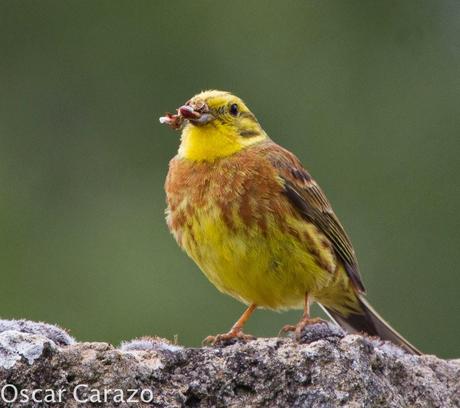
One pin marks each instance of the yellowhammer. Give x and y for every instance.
(257, 224)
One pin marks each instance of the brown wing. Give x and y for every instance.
(308, 199)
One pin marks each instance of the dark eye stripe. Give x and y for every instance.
(249, 133)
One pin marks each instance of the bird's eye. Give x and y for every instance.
(234, 109)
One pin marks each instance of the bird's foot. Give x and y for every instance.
(299, 327)
(231, 337)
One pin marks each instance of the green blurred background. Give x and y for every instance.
(366, 93)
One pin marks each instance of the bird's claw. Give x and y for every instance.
(299, 327)
(221, 339)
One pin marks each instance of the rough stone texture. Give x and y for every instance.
(327, 369)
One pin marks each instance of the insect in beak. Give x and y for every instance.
(198, 114)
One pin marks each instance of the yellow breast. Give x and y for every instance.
(232, 219)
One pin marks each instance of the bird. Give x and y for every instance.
(257, 224)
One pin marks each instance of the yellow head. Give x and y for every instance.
(218, 124)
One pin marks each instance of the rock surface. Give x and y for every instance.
(327, 369)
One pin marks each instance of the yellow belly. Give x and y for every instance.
(270, 267)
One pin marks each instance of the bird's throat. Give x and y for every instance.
(209, 143)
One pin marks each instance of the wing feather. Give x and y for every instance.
(311, 202)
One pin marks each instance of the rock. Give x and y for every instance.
(14, 345)
(327, 369)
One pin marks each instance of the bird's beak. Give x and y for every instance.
(197, 116)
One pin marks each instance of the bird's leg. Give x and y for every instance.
(305, 321)
(236, 332)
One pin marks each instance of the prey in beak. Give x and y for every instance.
(197, 113)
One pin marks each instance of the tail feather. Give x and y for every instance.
(370, 322)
